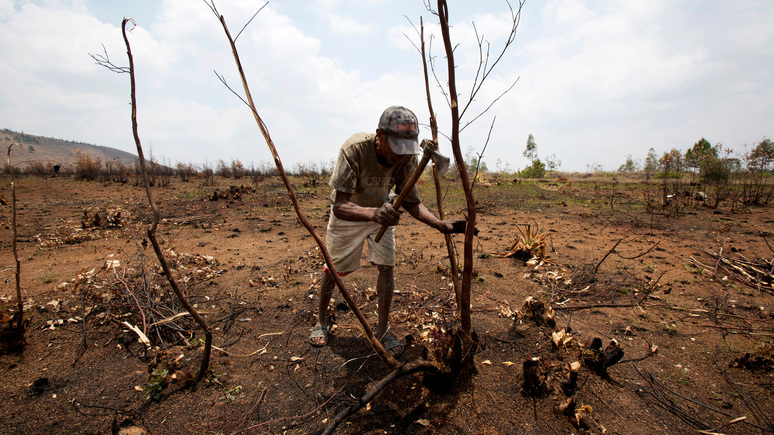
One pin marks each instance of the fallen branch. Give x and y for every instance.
(758, 274)
(407, 369)
(590, 306)
(137, 302)
(652, 349)
(613, 251)
(606, 255)
(260, 351)
(750, 403)
(667, 401)
(116, 410)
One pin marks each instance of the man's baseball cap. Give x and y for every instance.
(402, 130)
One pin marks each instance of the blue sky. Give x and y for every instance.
(597, 80)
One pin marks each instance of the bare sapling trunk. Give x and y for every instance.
(455, 273)
(467, 252)
(156, 217)
(17, 322)
(370, 336)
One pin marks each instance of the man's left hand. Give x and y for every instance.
(454, 226)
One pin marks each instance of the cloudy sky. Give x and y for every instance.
(597, 79)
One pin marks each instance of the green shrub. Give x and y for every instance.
(537, 170)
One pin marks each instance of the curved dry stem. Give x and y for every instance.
(156, 217)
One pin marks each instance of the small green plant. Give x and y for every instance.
(231, 393)
(156, 383)
(649, 268)
(670, 329)
(683, 376)
(46, 278)
(691, 268)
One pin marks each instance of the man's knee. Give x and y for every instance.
(384, 268)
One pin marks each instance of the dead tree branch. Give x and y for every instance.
(758, 274)
(17, 322)
(596, 268)
(613, 251)
(409, 368)
(484, 68)
(151, 231)
(750, 403)
(767, 243)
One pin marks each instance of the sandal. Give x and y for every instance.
(392, 345)
(319, 331)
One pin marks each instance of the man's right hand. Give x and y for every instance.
(387, 215)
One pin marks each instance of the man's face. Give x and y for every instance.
(384, 150)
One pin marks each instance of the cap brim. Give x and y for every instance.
(403, 145)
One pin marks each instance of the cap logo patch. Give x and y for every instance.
(407, 127)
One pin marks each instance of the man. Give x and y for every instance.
(367, 169)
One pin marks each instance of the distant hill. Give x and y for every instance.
(47, 150)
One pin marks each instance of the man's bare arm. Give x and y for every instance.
(347, 210)
(422, 214)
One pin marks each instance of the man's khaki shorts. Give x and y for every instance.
(345, 244)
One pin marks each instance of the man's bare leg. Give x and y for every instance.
(327, 285)
(385, 287)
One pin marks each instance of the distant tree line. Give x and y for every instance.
(89, 168)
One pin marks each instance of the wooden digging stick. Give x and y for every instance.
(404, 193)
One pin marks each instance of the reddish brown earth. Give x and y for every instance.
(253, 270)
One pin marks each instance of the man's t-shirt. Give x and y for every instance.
(359, 172)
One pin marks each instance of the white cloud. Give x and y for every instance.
(348, 25)
(597, 80)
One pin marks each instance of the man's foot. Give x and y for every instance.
(319, 336)
(392, 345)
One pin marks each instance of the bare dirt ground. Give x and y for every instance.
(247, 263)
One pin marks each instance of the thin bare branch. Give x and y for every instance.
(490, 105)
(104, 60)
(484, 68)
(249, 21)
(467, 268)
(481, 154)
